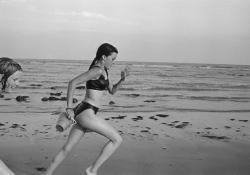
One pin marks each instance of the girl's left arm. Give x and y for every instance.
(113, 88)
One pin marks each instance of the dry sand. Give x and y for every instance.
(173, 143)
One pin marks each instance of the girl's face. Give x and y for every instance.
(13, 80)
(109, 60)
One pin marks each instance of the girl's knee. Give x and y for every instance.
(118, 140)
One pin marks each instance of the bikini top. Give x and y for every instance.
(98, 84)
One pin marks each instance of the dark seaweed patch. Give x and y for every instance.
(137, 118)
(243, 120)
(52, 98)
(56, 94)
(216, 137)
(182, 125)
(149, 101)
(133, 95)
(144, 131)
(41, 169)
(22, 98)
(119, 117)
(162, 115)
(153, 118)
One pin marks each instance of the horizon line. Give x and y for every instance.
(132, 61)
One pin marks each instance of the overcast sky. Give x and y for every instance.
(200, 31)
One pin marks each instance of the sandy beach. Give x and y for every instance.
(154, 143)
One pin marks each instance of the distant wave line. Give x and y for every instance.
(230, 88)
(139, 110)
(26, 112)
(180, 110)
(222, 88)
(205, 98)
(185, 89)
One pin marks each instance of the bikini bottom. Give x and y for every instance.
(83, 106)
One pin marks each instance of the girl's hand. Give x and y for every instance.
(125, 73)
(70, 114)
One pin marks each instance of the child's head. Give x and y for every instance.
(10, 72)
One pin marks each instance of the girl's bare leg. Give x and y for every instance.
(98, 125)
(4, 169)
(74, 136)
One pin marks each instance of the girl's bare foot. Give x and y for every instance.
(89, 172)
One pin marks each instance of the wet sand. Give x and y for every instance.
(188, 143)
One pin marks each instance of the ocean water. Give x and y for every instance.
(151, 87)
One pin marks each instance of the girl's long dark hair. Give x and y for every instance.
(7, 68)
(104, 49)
